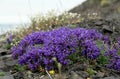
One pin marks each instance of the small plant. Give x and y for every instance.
(103, 60)
(105, 2)
(67, 45)
(2, 73)
(20, 68)
(7, 46)
(91, 72)
(75, 57)
(11, 41)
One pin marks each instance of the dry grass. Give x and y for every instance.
(48, 22)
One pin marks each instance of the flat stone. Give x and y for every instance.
(100, 74)
(20, 75)
(82, 74)
(11, 62)
(6, 57)
(98, 23)
(7, 77)
(111, 77)
(107, 29)
(77, 67)
(74, 75)
(2, 64)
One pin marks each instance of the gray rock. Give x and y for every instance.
(111, 77)
(5, 57)
(7, 77)
(1, 43)
(100, 74)
(11, 62)
(7, 61)
(19, 75)
(98, 23)
(83, 74)
(2, 64)
(74, 76)
(77, 67)
(107, 29)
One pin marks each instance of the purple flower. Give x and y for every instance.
(38, 48)
(10, 38)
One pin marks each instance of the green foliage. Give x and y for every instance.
(102, 60)
(7, 46)
(20, 68)
(105, 2)
(99, 43)
(2, 73)
(91, 71)
(74, 57)
(13, 43)
(73, 25)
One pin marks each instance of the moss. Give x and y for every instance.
(105, 2)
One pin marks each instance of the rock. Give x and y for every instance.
(8, 77)
(74, 76)
(19, 75)
(78, 67)
(98, 23)
(11, 62)
(2, 64)
(3, 52)
(36, 76)
(100, 74)
(82, 74)
(107, 29)
(1, 43)
(6, 57)
(7, 61)
(111, 77)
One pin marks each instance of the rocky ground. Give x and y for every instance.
(104, 8)
(76, 71)
(110, 27)
(108, 12)
(108, 24)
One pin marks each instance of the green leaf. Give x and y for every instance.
(102, 60)
(91, 71)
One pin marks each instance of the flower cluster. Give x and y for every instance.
(39, 48)
(114, 56)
